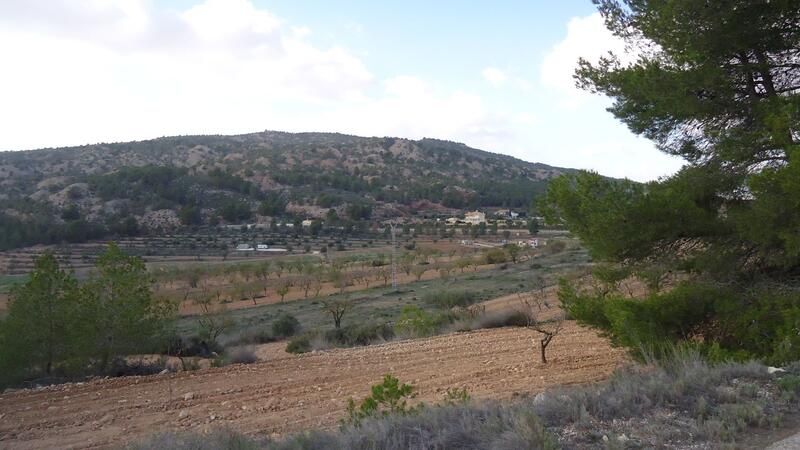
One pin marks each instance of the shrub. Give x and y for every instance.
(415, 322)
(299, 344)
(495, 256)
(285, 325)
(359, 334)
(731, 324)
(790, 384)
(450, 299)
(506, 318)
(456, 396)
(193, 346)
(388, 397)
(121, 367)
(241, 355)
(254, 337)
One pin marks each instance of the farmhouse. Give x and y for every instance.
(475, 217)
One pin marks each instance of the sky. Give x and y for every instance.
(493, 75)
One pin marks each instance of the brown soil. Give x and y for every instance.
(287, 393)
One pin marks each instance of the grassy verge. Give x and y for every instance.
(682, 403)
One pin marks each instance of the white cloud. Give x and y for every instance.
(410, 107)
(86, 71)
(525, 118)
(494, 76)
(587, 38)
(222, 66)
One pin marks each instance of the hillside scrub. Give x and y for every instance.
(148, 176)
(353, 335)
(683, 401)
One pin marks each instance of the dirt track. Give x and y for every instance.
(288, 393)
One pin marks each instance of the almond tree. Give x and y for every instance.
(282, 290)
(531, 306)
(419, 270)
(337, 310)
(213, 318)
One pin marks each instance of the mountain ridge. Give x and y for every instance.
(174, 181)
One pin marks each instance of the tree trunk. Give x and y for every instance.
(543, 346)
(544, 358)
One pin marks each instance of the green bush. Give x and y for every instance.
(387, 398)
(299, 344)
(415, 322)
(450, 299)
(285, 325)
(730, 324)
(495, 256)
(359, 334)
(790, 384)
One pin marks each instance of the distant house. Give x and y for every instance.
(506, 214)
(244, 248)
(307, 223)
(262, 247)
(452, 220)
(475, 217)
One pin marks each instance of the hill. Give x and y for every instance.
(79, 193)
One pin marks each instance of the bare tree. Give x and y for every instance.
(305, 281)
(534, 306)
(337, 309)
(319, 278)
(213, 317)
(253, 290)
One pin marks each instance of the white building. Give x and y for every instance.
(475, 217)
